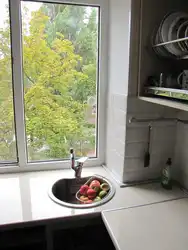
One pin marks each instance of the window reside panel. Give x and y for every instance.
(60, 77)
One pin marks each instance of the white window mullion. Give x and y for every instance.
(103, 80)
(16, 39)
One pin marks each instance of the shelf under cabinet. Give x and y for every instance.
(165, 102)
(176, 94)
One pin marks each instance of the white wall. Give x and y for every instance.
(119, 37)
(126, 143)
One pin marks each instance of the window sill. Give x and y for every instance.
(42, 166)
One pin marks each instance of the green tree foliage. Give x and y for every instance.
(57, 82)
(7, 140)
(79, 25)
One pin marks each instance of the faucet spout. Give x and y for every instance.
(78, 164)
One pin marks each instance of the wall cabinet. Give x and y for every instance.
(150, 64)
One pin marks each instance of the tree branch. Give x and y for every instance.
(29, 78)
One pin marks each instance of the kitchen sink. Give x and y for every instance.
(64, 191)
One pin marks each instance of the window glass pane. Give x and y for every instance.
(60, 59)
(7, 130)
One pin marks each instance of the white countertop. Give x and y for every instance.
(161, 226)
(24, 196)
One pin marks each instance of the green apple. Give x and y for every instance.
(105, 187)
(102, 194)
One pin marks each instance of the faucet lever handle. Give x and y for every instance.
(82, 160)
(71, 150)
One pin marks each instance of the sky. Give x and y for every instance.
(32, 6)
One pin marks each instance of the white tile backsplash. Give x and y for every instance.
(120, 102)
(134, 164)
(139, 134)
(119, 117)
(119, 146)
(115, 163)
(119, 133)
(135, 150)
(116, 129)
(128, 142)
(162, 140)
(164, 132)
(142, 175)
(162, 146)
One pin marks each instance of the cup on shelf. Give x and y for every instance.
(182, 79)
(169, 80)
(165, 80)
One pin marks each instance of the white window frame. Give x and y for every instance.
(16, 40)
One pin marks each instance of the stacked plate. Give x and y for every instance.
(173, 26)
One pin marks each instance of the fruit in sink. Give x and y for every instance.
(91, 193)
(84, 189)
(88, 202)
(95, 184)
(105, 187)
(97, 199)
(102, 194)
(84, 198)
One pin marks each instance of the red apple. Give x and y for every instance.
(84, 189)
(91, 193)
(95, 185)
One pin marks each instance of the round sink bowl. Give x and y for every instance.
(64, 192)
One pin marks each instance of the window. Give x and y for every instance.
(8, 152)
(60, 63)
(58, 71)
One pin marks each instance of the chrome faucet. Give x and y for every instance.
(78, 164)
